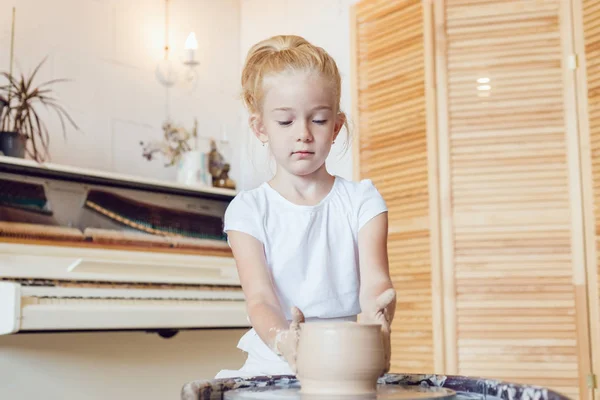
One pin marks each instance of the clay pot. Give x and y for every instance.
(339, 358)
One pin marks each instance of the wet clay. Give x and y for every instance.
(337, 358)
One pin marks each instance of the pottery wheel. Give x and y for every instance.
(387, 392)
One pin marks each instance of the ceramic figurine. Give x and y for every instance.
(216, 162)
(224, 181)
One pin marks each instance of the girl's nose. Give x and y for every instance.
(304, 134)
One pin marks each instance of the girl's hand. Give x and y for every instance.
(381, 316)
(286, 342)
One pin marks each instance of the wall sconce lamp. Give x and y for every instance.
(166, 72)
(191, 45)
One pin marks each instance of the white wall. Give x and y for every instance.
(110, 50)
(322, 22)
(101, 366)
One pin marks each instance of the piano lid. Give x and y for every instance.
(63, 205)
(49, 170)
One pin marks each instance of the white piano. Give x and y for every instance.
(85, 250)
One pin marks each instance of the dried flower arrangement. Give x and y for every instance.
(174, 144)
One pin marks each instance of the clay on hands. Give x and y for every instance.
(286, 341)
(381, 316)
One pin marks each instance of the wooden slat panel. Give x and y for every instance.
(512, 254)
(389, 61)
(591, 40)
(591, 17)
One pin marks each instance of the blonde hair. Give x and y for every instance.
(285, 53)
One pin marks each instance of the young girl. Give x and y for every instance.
(309, 246)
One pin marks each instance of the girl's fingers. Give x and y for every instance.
(297, 317)
(385, 299)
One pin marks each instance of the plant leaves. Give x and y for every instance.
(35, 71)
(50, 82)
(25, 130)
(21, 115)
(44, 136)
(63, 111)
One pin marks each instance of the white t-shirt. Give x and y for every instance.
(311, 251)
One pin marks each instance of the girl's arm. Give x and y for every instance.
(263, 307)
(377, 294)
(374, 266)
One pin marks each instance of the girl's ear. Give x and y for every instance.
(258, 128)
(340, 119)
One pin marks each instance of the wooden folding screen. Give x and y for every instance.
(587, 43)
(509, 245)
(466, 121)
(392, 151)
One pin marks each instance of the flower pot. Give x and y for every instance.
(12, 144)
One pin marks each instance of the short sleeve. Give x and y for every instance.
(371, 203)
(242, 215)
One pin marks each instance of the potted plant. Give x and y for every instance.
(20, 123)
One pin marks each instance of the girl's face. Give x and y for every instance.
(299, 120)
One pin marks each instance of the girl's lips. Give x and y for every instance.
(303, 154)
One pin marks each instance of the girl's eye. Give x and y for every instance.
(284, 123)
(320, 121)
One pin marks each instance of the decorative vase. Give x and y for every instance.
(192, 169)
(12, 144)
